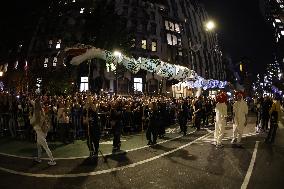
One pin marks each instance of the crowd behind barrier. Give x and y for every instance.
(66, 114)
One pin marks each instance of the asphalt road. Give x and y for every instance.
(183, 162)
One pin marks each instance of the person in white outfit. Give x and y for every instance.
(37, 121)
(221, 118)
(240, 111)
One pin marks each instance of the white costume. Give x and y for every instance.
(41, 141)
(221, 114)
(240, 110)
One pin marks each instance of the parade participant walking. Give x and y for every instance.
(274, 118)
(116, 117)
(39, 124)
(152, 130)
(93, 127)
(221, 116)
(240, 111)
(183, 116)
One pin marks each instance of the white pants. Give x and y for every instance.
(41, 142)
(219, 131)
(238, 132)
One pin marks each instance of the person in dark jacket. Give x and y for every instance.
(117, 126)
(183, 116)
(152, 131)
(93, 128)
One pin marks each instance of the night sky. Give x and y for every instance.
(242, 31)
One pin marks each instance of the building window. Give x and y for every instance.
(277, 20)
(133, 43)
(172, 26)
(54, 61)
(45, 62)
(82, 10)
(144, 44)
(177, 29)
(58, 44)
(153, 29)
(138, 85)
(167, 25)
(84, 85)
(154, 46)
(169, 39)
(50, 43)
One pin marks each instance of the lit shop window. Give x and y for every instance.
(58, 44)
(154, 46)
(144, 44)
(84, 85)
(138, 84)
(282, 32)
(74, 1)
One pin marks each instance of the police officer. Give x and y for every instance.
(93, 127)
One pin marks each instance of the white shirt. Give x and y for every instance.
(240, 109)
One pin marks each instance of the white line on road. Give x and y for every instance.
(250, 169)
(83, 157)
(102, 171)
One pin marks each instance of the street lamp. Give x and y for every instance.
(210, 25)
(118, 55)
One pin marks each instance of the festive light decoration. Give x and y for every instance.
(164, 69)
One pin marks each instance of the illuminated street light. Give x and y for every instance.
(210, 25)
(118, 55)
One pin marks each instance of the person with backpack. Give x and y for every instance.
(40, 125)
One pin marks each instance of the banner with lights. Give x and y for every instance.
(163, 69)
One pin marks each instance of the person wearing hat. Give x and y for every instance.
(221, 116)
(240, 111)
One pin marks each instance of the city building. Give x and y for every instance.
(273, 11)
(170, 30)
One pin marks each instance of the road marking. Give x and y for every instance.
(102, 171)
(210, 140)
(108, 154)
(250, 169)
